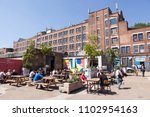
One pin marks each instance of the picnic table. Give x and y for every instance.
(93, 85)
(47, 82)
(18, 79)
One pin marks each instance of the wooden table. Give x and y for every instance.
(93, 85)
(59, 76)
(18, 79)
(47, 82)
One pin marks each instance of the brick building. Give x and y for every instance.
(5, 50)
(112, 31)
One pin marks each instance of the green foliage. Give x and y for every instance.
(111, 55)
(45, 49)
(29, 55)
(73, 80)
(141, 25)
(91, 48)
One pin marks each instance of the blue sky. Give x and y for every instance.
(24, 18)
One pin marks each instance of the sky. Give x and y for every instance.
(24, 18)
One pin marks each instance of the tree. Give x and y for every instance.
(141, 25)
(45, 50)
(29, 56)
(111, 56)
(91, 48)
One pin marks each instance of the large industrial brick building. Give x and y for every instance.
(112, 31)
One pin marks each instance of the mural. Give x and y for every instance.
(80, 64)
(74, 64)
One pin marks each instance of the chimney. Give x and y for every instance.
(116, 6)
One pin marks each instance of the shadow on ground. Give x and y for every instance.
(126, 88)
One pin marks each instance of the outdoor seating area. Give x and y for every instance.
(67, 82)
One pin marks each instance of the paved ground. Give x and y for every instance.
(134, 88)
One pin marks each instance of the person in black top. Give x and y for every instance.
(102, 77)
(143, 69)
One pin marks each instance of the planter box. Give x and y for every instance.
(68, 87)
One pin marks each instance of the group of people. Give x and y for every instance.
(4, 74)
(36, 76)
(142, 68)
(117, 75)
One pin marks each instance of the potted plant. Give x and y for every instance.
(71, 85)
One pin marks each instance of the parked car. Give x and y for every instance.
(130, 70)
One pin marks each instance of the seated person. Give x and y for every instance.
(31, 75)
(2, 75)
(14, 72)
(38, 77)
(102, 77)
(83, 77)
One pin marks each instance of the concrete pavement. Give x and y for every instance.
(134, 88)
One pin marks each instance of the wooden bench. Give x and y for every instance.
(11, 81)
(42, 85)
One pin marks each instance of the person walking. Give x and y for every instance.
(143, 70)
(119, 77)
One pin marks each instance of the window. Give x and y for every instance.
(98, 39)
(106, 15)
(135, 37)
(127, 49)
(46, 38)
(148, 47)
(71, 39)
(84, 28)
(135, 49)
(123, 50)
(50, 36)
(71, 46)
(106, 32)
(50, 43)
(55, 49)
(54, 42)
(115, 40)
(78, 30)
(84, 37)
(107, 42)
(65, 48)
(65, 40)
(141, 48)
(114, 30)
(65, 33)
(55, 35)
(78, 38)
(98, 31)
(148, 35)
(140, 36)
(78, 46)
(113, 21)
(107, 23)
(60, 48)
(98, 18)
(71, 54)
(138, 48)
(60, 34)
(71, 31)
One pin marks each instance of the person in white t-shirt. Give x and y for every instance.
(119, 77)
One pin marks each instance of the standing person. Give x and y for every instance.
(119, 76)
(143, 69)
